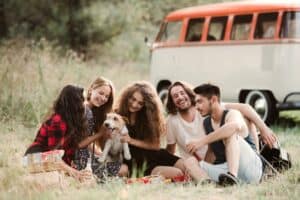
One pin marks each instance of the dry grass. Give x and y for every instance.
(31, 76)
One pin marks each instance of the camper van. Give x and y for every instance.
(250, 49)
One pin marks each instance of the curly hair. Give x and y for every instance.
(171, 108)
(69, 105)
(150, 124)
(99, 113)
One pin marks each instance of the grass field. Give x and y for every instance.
(31, 76)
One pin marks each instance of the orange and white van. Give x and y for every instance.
(250, 49)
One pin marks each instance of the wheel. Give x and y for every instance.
(163, 95)
(263, 104)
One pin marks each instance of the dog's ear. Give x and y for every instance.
(115, 110)
(125, 119)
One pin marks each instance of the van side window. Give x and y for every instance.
(170, 32)
(290, 27)
(265, 26)
(241, 27)
(194, 30)
(217, 28)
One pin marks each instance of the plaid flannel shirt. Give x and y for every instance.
(51, 136)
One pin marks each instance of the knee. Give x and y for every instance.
(180, 164)
(167, 172)
(231, 139)
(191, 161)
(123, 170)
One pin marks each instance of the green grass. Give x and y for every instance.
(15, 138)
(31, 76)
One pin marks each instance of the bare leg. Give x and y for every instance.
(167, 172)
(232, 150)
(123, 170)
(254, 133)
(194, 170)
(180, 164)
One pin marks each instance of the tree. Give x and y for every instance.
(3, 26)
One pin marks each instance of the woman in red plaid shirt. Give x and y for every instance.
(64, 129)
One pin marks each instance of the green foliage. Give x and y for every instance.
(84, 24)
(33, 73)
(69, 22)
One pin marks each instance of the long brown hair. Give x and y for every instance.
(149, 122)
(69, 105)
(171, 108)
(99, 113)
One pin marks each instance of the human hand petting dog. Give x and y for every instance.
(125, 138)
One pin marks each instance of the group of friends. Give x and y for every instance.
(215, 140)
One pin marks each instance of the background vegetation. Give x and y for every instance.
(45, 45)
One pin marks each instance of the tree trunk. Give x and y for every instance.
(3, 25)
(75, 26)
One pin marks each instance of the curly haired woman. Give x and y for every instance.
(141, 105)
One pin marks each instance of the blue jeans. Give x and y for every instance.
(250, 165)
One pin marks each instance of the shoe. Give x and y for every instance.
(228, 180)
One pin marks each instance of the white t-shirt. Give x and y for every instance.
(181, 132)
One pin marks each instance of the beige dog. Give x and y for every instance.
(113, 147)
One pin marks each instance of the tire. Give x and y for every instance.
(163, 95)
(263, 104)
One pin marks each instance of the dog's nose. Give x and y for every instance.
(106, 125)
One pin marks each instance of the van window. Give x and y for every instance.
(194, 30)
(170, 32)
(241, 27)
(266, 26)
(290, 27)
(217, 28)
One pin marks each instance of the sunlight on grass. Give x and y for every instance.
(31, 76)
(295, 115)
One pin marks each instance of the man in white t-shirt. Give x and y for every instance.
(185, 123)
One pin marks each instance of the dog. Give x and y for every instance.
(113, 147)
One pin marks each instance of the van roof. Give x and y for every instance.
(227, 8)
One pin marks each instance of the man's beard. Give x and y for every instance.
(184, 110)
(209, 112)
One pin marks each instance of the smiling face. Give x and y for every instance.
(114, 122)
(100, 95)
(135, 102)
(180, 98)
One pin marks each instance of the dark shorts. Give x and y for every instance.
(144, 161)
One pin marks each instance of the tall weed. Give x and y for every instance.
(32, 74)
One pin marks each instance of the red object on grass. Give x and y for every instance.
(183, 178)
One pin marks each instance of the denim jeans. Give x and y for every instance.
(250, 165)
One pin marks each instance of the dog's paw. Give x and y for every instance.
(127, 156)
(101, 159)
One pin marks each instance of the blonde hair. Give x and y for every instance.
(99, 113)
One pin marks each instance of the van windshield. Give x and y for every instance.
(169, 32)
(290, 27)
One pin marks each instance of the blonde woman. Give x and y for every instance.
(100, 96)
